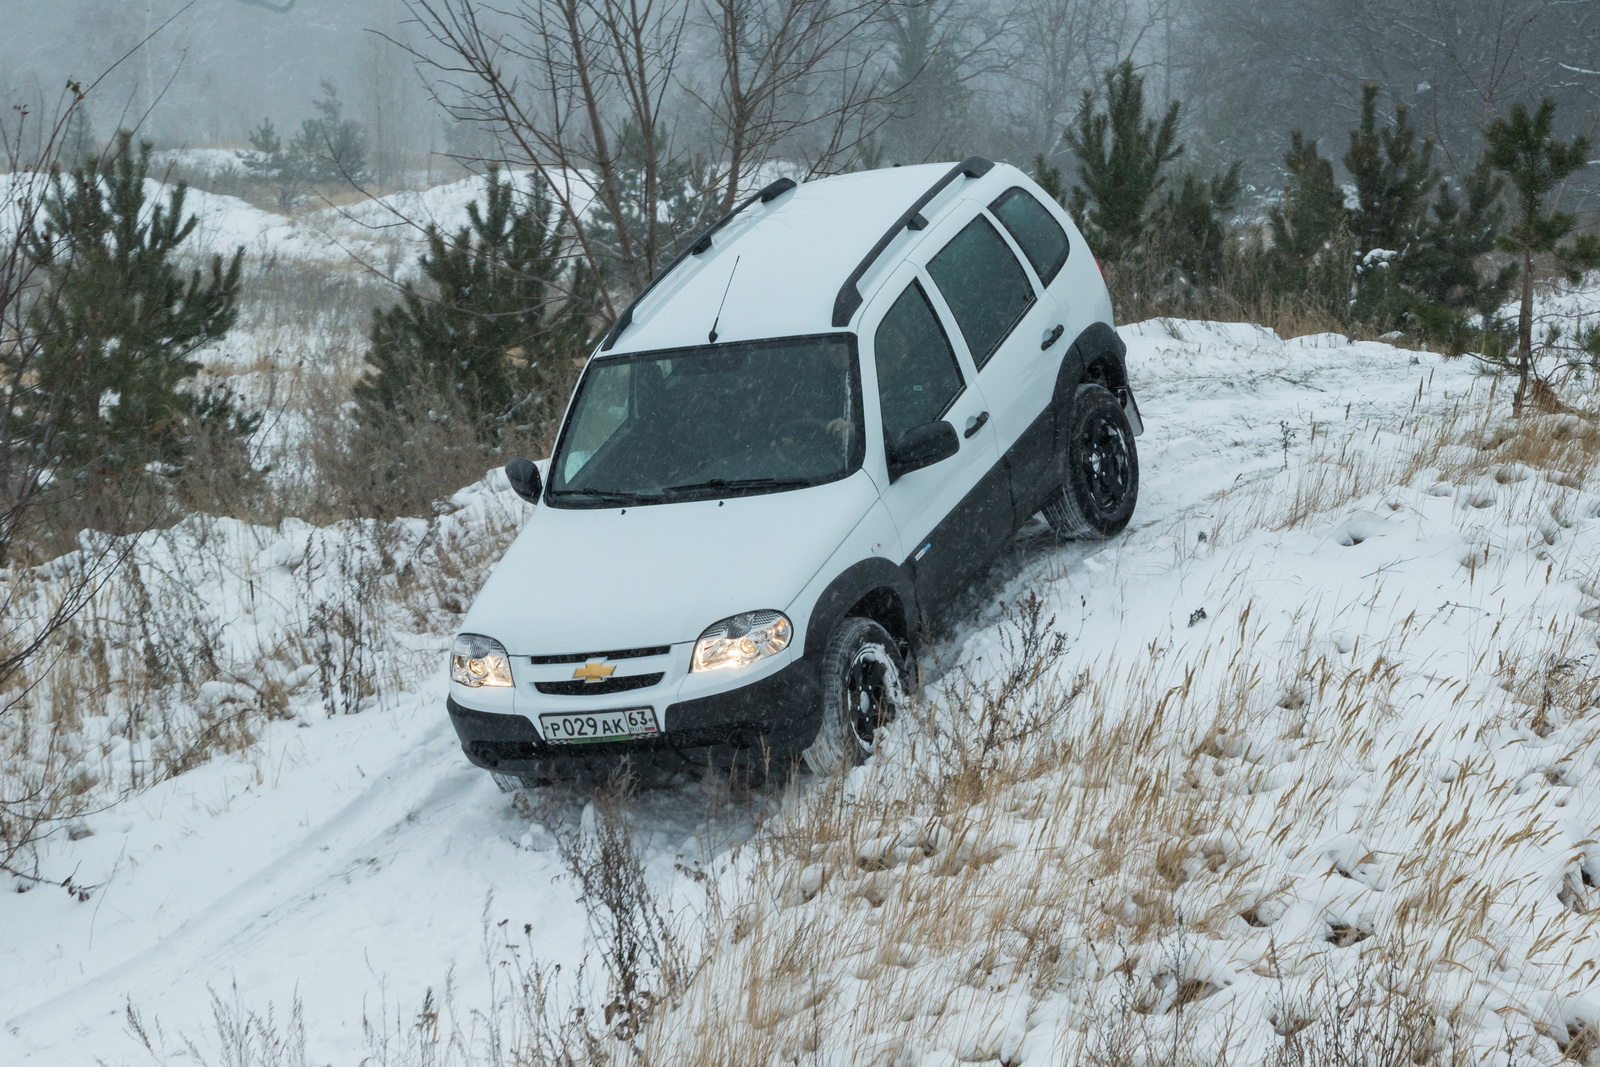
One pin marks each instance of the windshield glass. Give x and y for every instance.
(716, 421)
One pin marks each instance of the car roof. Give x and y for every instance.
(781, 264)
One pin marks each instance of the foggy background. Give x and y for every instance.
(955, 76)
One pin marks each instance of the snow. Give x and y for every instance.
(1338, 688)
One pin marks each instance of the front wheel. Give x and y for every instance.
(862, 676)
(1102, 469)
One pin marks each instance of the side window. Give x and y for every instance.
(1043, 240)
(984, 285)
(917, 372)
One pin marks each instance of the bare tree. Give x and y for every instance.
(586, 91)
(385, 99)
(1272, 65)
(776, 59)
(944, 54)
(1059, 49)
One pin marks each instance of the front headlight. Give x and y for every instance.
(742, 640)
(477, 660)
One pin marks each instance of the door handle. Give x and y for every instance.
(1052, 337)
(975, 423)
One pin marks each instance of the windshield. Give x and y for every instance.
(715, 421)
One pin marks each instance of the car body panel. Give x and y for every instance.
(595, 579)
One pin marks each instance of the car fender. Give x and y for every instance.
(1097, 354)
(864, 563)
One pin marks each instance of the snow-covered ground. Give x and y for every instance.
(351, 863)
(1315, 748)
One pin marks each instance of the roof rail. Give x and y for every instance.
(849, 298)
(767, 194)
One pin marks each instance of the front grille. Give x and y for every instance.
(601, 688)
(584, 657)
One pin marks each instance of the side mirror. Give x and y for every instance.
(922, 446)
(524, 479)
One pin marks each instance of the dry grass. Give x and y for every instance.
(210, 631)
(1103, 852)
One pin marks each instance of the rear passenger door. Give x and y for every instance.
(1015, 331)
(951, 514)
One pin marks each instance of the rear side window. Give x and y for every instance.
(1043, 240)
(917, 372)
(984, 285)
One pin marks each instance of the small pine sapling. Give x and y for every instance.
(123, 323)
(1524, 149)
(493, 335)
(330, 147)
(665, 200)
(272, 163)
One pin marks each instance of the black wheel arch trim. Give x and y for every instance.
(1097, 346)
(853, 585)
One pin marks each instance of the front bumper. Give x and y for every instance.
(773, 718)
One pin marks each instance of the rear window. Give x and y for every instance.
(1043, 240)
(985, 286)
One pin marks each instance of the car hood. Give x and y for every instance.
(605, 579)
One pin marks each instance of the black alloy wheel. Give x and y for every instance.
(1101, 468)
(862, 678)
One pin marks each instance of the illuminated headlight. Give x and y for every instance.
(742, 640)
(477, 660)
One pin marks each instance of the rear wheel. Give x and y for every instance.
(862, 675)
(1102, 468)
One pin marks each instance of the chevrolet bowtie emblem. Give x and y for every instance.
(593, 672)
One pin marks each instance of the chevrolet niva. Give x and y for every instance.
(806, 434)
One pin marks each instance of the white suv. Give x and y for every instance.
(801, 439)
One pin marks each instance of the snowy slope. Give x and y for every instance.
(352, 863)
(1327, 774)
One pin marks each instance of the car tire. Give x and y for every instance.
(862, 679)
(1102, 469)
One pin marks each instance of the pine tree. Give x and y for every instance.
(1310, 254)
(1050, 180)
(1121, 158)
(1192, 220)
(1535, 162)
(666, 203)
(331, 147)
(328, 149)
(78, 136)
(275, 164)
(1449, 282)
(1393, 175)
(122, 322)
(1394, 178)
(492, 336)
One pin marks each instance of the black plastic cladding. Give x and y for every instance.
(768, 194)
(849, 298)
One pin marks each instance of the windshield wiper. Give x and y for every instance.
(739, 485)
(610, 496)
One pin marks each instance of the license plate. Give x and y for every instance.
(584, 727)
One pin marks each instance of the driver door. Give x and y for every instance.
(949, 514)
